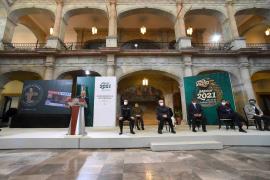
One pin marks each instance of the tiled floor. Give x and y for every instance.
(132, 164)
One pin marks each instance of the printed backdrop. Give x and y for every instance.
(209, 90)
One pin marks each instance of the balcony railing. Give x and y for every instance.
(263, 46)
(212, 46)
(23, 46)
(147, 45)
(84, 46)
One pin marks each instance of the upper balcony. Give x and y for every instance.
(138, 30)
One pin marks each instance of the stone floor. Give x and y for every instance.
(115, 164)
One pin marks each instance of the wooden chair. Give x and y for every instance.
(250, 120)
(225, 121)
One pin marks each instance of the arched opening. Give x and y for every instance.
(11, 84)
(72, 75)
(261, 86)
(237, 89)
(206, 24)
(33, 26)
(87, 28)
(160, 86)
(146, 25)
(252, 24)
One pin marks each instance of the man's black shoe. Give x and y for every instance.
(120, 133)
(138, 128)
(142, 128)
(194, 130)
(242, 130)
(159, 132)
(132, 132)
(266, 129)
(173, 131)
(204, 130)
(260, 129)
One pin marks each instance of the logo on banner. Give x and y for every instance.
(32, 95)
(105, 86)
(208, 92)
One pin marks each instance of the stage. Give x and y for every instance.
(108, 138)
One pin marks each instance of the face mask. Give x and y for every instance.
(253, 103)
(223, 103)
(161, 104)
(194, 103)
(125, 103)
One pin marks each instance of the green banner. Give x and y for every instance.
(87, 84)
(209, 90)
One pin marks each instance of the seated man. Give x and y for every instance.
(226, 112)
(253, 111)
(163, 114)
(137, 113)
(126, 116)
(195, 113)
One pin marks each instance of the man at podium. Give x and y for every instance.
(77, 121)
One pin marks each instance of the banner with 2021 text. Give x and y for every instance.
(209, 90)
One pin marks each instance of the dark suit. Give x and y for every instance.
(226, 112)
(126, 111)
(163, 110)
(197, 109)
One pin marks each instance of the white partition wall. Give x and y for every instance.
(105, 101)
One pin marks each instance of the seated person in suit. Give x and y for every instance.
(164, 114)
(253, 111)
(126, 111)
(137, 113)
(195, 113)
(225, 111)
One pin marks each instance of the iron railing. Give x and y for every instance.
(263, 46)
(84, 46)
(147, 45)
(212, 46)
(23, 46)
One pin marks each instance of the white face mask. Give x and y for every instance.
(125, 103)
(194, 103)
(223, 103)
(161, 104)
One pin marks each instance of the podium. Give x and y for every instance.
(77, 121)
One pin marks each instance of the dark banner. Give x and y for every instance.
(209, 90)
(43, 104)
(46, 97)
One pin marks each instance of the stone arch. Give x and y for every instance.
(137, 9)
(37, 71)
(260, 11)
(261, 86)
(19, 75)
(17, 13)
(163, 72)
(207, 11)
(67, 70)
(79, 10)
(216, 20)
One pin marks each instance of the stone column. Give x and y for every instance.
(55, 40)
(187, 59)
(245, 77)
(49, 68)
(7, 27)
(182, 41)
(111, 40)
(110, 65)
(237, 42)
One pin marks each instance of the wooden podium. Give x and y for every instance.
(77, 121)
